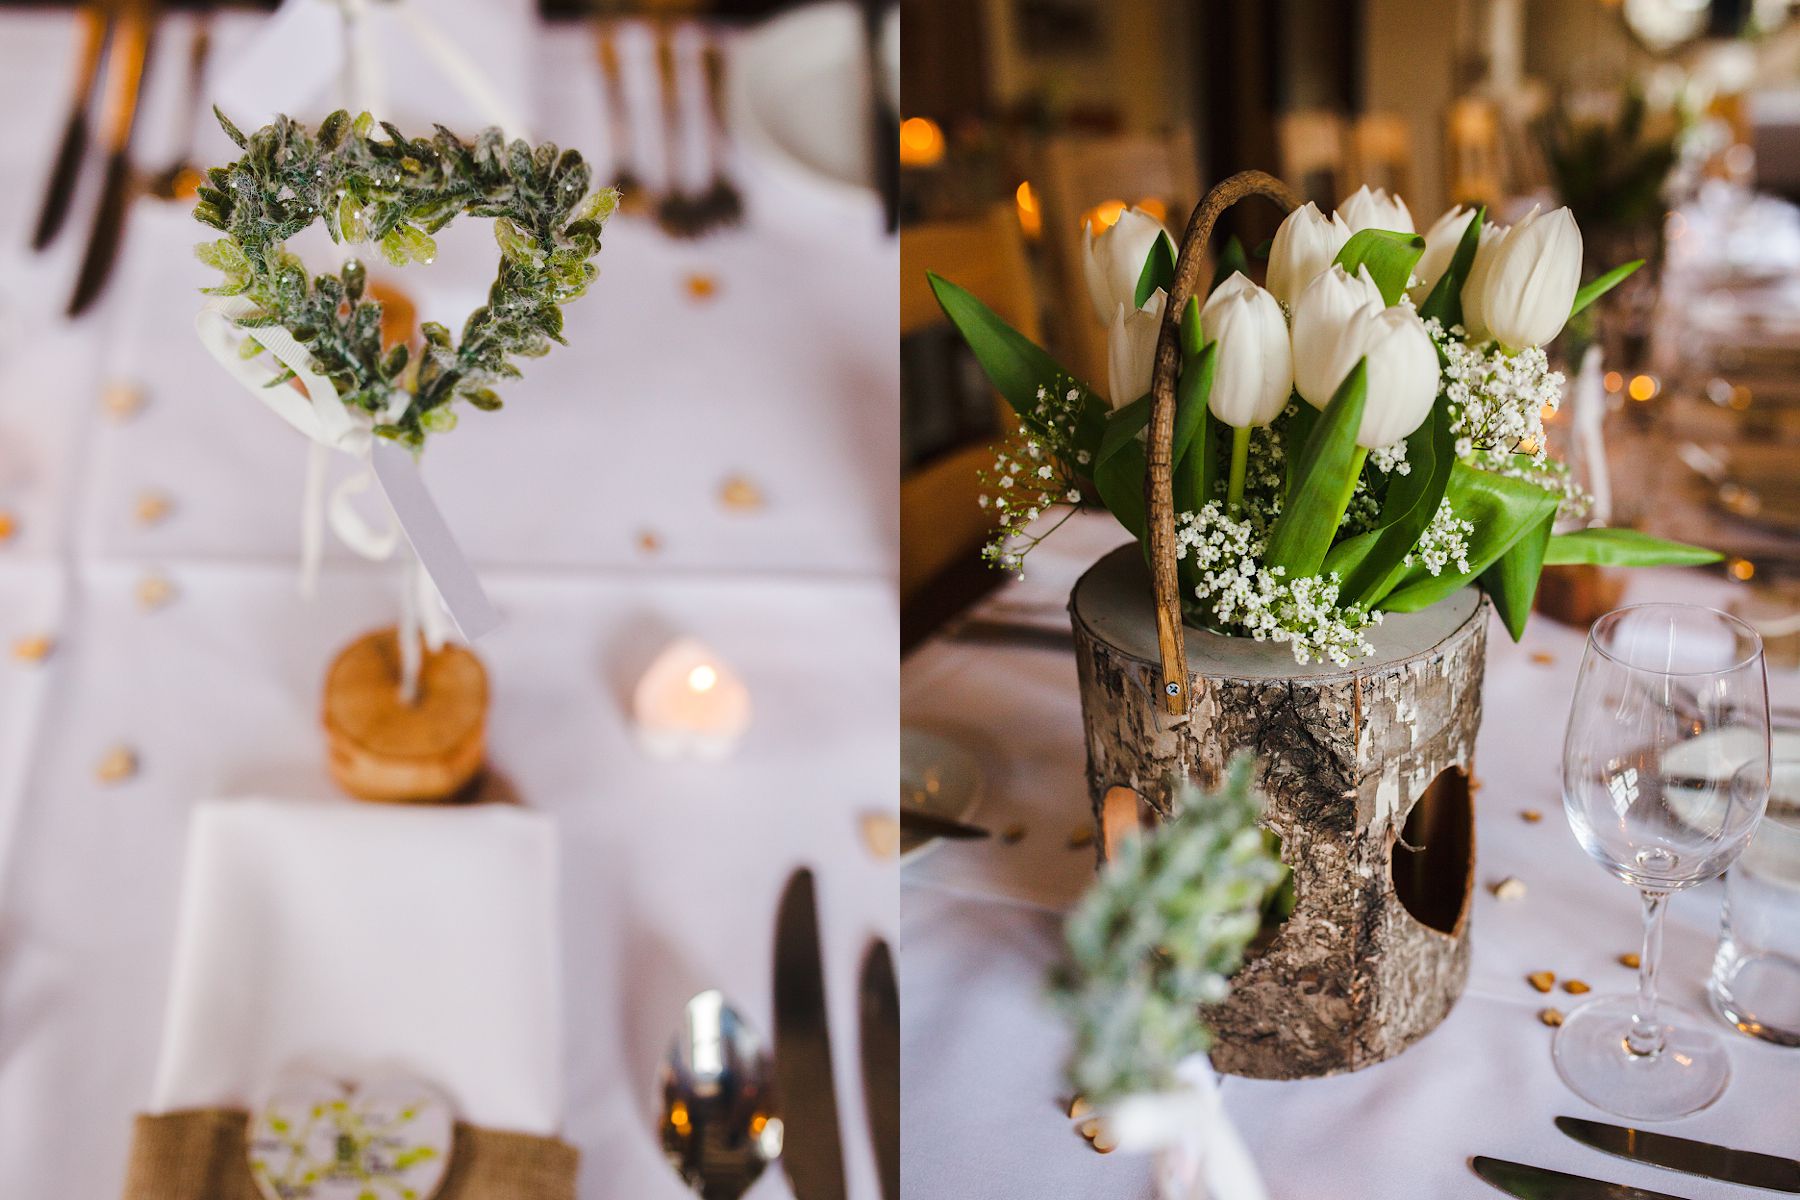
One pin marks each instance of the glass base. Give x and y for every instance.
(1759, 994)
(1593, 1059)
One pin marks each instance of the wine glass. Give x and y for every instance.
(1665, 775)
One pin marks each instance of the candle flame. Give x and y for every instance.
(702, 678)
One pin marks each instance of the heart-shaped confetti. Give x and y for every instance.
(383, 1138)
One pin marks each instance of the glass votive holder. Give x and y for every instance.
(1755, 981)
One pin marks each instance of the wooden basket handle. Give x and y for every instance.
(1159, 494)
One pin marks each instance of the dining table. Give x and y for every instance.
(711, 455)
(986, 1102)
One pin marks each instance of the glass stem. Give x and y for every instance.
(1646, 1036)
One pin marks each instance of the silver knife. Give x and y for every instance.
(94, 22)
(130, 47)
(913, 820)
(1748, 1167)
(1540, 1183)
(811, 1144)
(880, 1012)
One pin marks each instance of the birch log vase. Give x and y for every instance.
(380, 746)
(1366, 770)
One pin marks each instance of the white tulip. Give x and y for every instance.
(1113, 261)
(1375, 210)
(1531, 280)
(1474, 325)
(1403, 375)
(1131, 349)
(1253, 369)
(1305, 245)
(1441, 241)
(1403, 364)
(1322, 355)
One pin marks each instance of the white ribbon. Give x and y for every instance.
(1199, 1153)
(442, 579)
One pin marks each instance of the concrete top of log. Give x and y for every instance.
(1114, 603)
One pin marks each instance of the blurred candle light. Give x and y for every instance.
(1643, 387)
(1031, 219)
(1154, 207)
(1104, 215)
(689, 704)
(1742, 569)
(1615, 382)
(921, 142)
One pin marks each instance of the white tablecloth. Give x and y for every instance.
(980, 927)
(670, 873)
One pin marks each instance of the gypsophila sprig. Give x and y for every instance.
(1033, 473)
(1497, 398)
(395, 192)
(1159, 934)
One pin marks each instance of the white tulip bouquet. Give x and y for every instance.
(1362, 435)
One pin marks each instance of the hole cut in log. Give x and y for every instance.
(1434, 857)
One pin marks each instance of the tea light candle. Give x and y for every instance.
(689, 704)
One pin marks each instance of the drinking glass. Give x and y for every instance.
(1665, 775)
(1755, 981)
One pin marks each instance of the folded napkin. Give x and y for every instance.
(340, 937)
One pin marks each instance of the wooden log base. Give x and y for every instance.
(381, 748)
(1579, 594)
(1366, 769)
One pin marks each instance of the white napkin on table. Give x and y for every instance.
(344, 936)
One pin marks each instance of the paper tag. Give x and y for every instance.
(317, 1138)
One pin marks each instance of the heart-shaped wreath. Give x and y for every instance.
(396, 193)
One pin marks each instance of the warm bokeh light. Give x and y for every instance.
(702, 678)
(1740, 397)
(1031, 219)
(1741, 569)
(1154, 207)
(1643, 387)
(1614, 381)
(1548, 412)
(1103, 215)
(921, 142)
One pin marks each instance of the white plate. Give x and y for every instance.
(939, 775)
(799, 88)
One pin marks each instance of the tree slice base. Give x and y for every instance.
(381, 748)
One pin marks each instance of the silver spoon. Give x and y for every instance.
(719, 1128)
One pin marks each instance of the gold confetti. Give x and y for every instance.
(121, 400)
(1543, 981)
(1530, 816)
(34, 648)
(1630, 960)
(881, 834)
(1012, 835)
(1474, 786)
(1509, 889)
(1542, 657)
(700, 286)
(741, 494)
(154, 591)
(648, 542)
(1082, 835)
(116, 765)
(1103, 1141)
(1550, 1016)
(1079, 1108)
(1090, 1130)
(151, 507)
(9, 526)
(1575, 987)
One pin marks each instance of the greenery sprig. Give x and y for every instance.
(1158, 936)
(395, 192)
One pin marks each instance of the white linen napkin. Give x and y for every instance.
(344, 936)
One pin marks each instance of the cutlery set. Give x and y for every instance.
(681, 212)
(727, 1112)
(1748, 1168)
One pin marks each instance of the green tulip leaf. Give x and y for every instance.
(1303, 532)
(1445, 300)
(1372, 562)
(1606, 283)
(1120, 466)
(1502, 510)
(1159, 270)
(1298, 428)
(1511, 580)
(1014, 364)
(1390, 257)
(1195, 442)
(1623, 548)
